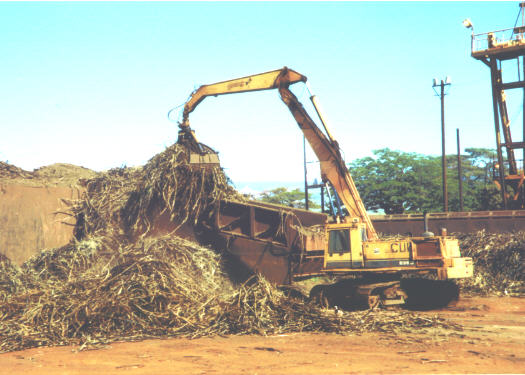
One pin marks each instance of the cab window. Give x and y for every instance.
(339, 241)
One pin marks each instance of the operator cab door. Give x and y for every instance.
(338, 253)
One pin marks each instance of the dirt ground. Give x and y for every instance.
(492, 341)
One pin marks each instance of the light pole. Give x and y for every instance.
(442, 94)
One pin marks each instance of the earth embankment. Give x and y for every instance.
(32, 208)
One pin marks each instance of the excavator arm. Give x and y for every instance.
(333, 168)
(258, 82)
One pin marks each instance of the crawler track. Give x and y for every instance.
(412, 293)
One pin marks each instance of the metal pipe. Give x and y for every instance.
(494, 81)
(443, 155)
(460, 180)
(305, 175)
(319, 112)
(322, 199)
(522, 203)
(339, 203)
(313, 98)
(331, 200)
(426, 233)
(496, 31)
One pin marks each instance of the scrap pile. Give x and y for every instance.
(115, 283)
(499, 262)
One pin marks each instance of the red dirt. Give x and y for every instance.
(28, 201)
(492, 341)
(27, 220)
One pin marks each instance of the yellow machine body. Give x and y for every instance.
(347, 250)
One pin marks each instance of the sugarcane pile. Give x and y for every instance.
(10, 281)
(90, 294)
(499, 262)
(116, 283)
(125, 201)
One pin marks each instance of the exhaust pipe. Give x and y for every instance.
(426, 233)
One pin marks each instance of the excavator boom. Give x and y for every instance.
(333, 168)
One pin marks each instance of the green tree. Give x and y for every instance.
(479, 190)
(398, 182)
(284, 197)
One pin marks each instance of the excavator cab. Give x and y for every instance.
(344, 248)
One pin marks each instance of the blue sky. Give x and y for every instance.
(91, 83)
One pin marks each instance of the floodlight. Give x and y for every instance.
(434, 82)
(468, 24)
(448, 80)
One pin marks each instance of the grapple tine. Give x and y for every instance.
(200, 155)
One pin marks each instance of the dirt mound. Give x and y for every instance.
(62, 174)
(499, 262)
(59, 174)
(29, 202)
(29, 221)
(8, 172)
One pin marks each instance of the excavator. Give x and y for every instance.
(288, 244)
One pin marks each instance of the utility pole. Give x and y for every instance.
(442, 94)
(460, 181)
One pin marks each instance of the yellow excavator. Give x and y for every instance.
(286, 245)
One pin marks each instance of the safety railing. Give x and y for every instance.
(498, 39)
(495, 168)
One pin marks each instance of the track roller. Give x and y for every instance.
(382, 294)
(356, 294)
